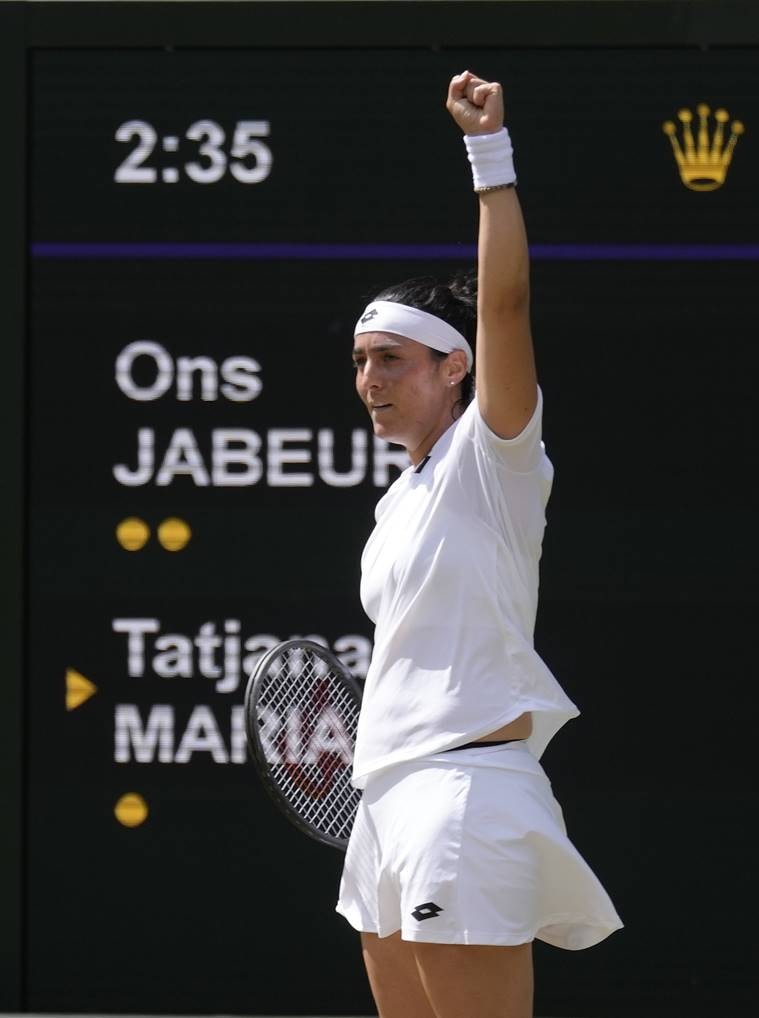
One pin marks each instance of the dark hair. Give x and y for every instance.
(454, 300)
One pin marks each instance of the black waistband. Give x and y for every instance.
(481, 745)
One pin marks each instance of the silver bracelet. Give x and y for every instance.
(493, 187)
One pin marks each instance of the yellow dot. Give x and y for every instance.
(685, 115)
(131, 810)
(722, 116)
(668, 127)
(174, 534)
(738, 127)
(132, 533)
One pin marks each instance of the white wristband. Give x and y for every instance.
(492, 159)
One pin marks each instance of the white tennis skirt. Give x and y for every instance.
(470, 847)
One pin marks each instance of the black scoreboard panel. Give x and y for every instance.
(206, 226)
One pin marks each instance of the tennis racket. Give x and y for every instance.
(301, 714)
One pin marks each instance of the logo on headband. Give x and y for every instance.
(369, 315)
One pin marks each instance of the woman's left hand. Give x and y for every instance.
(475, 105)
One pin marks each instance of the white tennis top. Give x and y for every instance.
(450, 579)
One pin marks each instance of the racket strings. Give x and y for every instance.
(308, 720)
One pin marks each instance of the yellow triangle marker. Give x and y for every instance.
(78, 689)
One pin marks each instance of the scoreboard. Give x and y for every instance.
(205, 224)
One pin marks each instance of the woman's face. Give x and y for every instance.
(406, 389)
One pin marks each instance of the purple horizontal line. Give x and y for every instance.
(249, 251)
(393, 252)
(645, 252)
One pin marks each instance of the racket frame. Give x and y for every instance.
(255, 746)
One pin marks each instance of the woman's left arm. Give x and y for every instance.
(506, 378)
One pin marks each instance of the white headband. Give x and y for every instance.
(387, 316)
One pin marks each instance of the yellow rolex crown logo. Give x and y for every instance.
(703, 160)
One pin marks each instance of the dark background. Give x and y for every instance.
(215, 903)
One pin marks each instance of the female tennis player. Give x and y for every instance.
(458, 858)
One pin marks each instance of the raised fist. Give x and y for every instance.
(475, 105)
